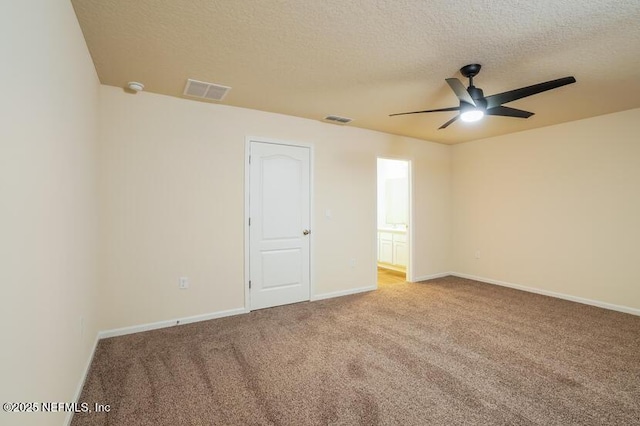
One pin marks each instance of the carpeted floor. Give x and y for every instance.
(443, 352)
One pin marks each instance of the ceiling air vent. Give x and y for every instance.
(202, 90)
(337, 119)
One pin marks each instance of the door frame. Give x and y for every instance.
(410, 231)
(247, 184)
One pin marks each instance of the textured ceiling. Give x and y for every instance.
(366, 59)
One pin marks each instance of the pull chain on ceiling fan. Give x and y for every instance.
(474, 105)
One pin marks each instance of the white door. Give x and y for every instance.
(279, 230)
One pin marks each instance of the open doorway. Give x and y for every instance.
(393, 220)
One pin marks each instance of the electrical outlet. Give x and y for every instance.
(477, 254)
(352, 263)
(183, 283)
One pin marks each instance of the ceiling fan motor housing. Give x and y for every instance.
(478, 96)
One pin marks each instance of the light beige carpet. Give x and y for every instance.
(444, 352)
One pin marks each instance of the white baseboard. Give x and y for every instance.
(169, 323)
(342, 293)
(598, 303)
(431, 277)
(83, 379)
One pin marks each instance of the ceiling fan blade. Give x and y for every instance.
(429, 110)
(508, 112)
(523, 92)
(460, 91)
(445, 125)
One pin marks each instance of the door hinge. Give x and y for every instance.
(249, 221)
(249, 283)
(249, 159)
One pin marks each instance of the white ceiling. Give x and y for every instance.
(366, 59)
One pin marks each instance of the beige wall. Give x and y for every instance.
(172, 203)
(556, 209)
(48, 170)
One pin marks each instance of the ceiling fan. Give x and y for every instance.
(474, 105)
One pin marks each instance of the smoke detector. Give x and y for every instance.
(135, 86)
(203, 90)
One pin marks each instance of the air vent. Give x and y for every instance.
(202, 90)
(337, 119)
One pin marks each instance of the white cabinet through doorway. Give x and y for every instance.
(392, 247)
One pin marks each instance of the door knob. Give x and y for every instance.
(306, 232)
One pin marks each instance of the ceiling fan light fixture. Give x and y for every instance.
(472, 115)
(474, 104)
